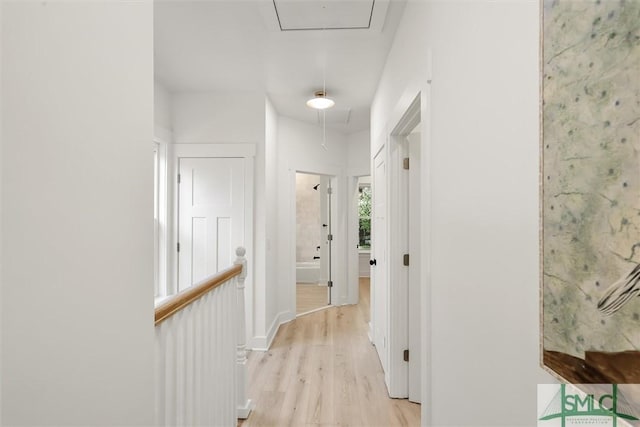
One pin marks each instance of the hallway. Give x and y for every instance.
(323, 370)
(310, 297)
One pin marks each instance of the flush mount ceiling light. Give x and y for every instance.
(320, 101)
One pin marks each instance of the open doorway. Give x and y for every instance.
(364, 226)
(313, 242)
(364, 209)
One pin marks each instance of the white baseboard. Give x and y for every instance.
(245, 410)
(263, 343)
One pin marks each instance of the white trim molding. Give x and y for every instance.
(263, 343)
(215, 150)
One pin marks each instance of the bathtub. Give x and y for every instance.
(308, 271)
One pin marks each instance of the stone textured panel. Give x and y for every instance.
(591, 172)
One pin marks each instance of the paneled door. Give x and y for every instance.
(380, 300)
(210, 216)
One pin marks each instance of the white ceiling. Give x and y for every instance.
(235, 45)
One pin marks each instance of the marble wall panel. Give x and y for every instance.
(308, 222)
(590, 175)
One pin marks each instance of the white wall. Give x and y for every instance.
(77, 188)
(300, 146)
(218, 117)
(228, 118)
(162, 107)
(359, 153)
(480, 130)
(271, 235)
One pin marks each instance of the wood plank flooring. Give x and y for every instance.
(310, 297)
(323, 371)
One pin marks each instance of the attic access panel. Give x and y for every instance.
(300, 15)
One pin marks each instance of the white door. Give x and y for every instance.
(414, 231)
(210, 216)
(378, 256)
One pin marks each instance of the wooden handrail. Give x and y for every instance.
(179, 301)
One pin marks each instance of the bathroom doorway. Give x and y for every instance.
(313, 242)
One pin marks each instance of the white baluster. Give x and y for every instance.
(244, 403)
(197, 384)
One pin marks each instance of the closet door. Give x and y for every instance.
(210, 216)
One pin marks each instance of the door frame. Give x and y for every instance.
(379, 140)
(398, 242)
(325, 217)
(288, 232)
(410, 109)
(353, 256)
(413, 194)
(248, 153)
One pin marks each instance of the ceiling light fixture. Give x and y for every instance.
(320, 101)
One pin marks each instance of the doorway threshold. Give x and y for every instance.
(324, 307)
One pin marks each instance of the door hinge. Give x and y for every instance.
(330, 237)
(178, 247)
(405, 260)
(405, 355)
(330, 284)
(178, 178)
(329, 190)
(405, 163)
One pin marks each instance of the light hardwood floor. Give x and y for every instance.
(322, 370)
(310, 297)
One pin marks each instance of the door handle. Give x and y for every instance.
(372, 262)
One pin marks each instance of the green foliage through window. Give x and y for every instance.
(364, 212)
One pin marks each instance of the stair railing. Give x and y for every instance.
(201, 357)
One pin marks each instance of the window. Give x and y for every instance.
(159, 219)
(156, 220)
(364, 213)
